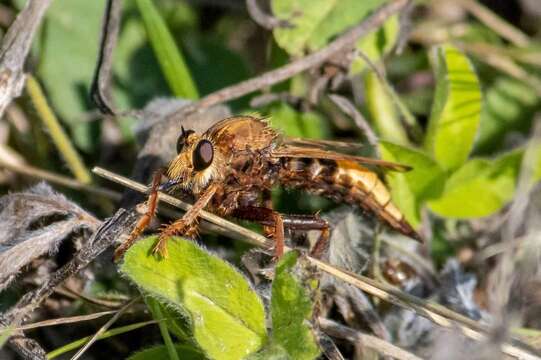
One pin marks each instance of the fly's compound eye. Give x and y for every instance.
(182, 139)
(202, 155)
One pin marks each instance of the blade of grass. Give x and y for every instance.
(6, 333)
(154, 307)
(169, 57)
(59, 136)
(107, 334)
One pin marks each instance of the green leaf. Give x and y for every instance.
(214, 66)
(66, 67)
(479, 188)
(315, 22)
(376, 44)
(409, 190)
(509, 106)
(382, 110)
(227, 317)
(297, 124)
(186, 352)
(456, 108)
(168, 54)
(291, 310)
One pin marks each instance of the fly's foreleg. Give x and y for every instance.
(144, 221)
(187, 223)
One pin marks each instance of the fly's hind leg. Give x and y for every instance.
(310, 222)
(277, 222)
(271, 220)
(144, 221)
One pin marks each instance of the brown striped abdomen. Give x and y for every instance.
(345, 181)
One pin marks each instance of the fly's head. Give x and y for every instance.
(198, 162)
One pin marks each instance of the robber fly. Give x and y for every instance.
(231, 168)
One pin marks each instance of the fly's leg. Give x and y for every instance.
(144, 221)
(276, 221)
(187, 224)
(271, 220)
(274, 231)
(310, 222)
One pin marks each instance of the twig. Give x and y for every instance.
(59, 136)
(349, 109)
(406, 25)
(104, 328)
(65, 181)
(432, 311)
(496, 23)
(341, 43)
(266, 99)
(27, 348)
(100, 90)
(265, 20)
(110, 230)
(15, 47)
(383, 347)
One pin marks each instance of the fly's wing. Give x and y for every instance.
(240, 133)
(292, 151)
(329, 145)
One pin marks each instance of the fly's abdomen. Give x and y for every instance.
(345, 181)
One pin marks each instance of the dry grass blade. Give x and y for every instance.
(432, 311)
(65, 181)
(496, 23)
(60, 321)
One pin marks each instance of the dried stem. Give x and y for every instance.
(496, 23)
(100, 91)
(15, 47)
(105, 327)
(432, 311)
(267, 21)
(61, 321)
(349, 109)
(65, 181)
